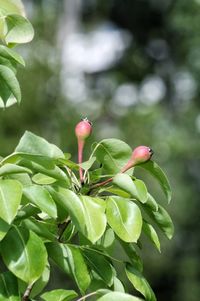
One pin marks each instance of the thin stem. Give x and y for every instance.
(80, 158)
(128, 165)
(102, 183)
(86, 296)
(27, 292)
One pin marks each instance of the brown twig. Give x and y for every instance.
(27, 292)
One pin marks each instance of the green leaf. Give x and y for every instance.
(24, 254)
(151, 203)
(113, 154)
(118, 286)
(26, 211)
(70, 259)
(88, 164)
(4, 227)
(72, 203)
(151, 234)
(41, 228)
(115, 296)
(39, 285)
(32, 144)
(100, 265)
(8, 168)
(107, 240)
(9, 287)
(45, 166)
(140, 283)
(163, 220)
(125, 218)
(57, 252)
(95, 218)
(59, 295)
(18, 29)
(9, 85)
(12, 7)
(136, 188)
(11, 55)
(39, 196)
(132, 255)
(42, 179)
(10, 63)
(117, 191)
(10, 198)
(86, 213)
(23, 178)
(158, 173)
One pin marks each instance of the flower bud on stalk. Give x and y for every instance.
(82, 130)
(140, 154)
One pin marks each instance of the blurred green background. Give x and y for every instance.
(133, 68)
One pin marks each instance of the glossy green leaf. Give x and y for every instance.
(34, 145)
(151, 234)
(159, 174)
(10, 63)
(9, 287)
(59, 295)
(12, 7)
(10, 198)
(23, 178)
(151, 202)
(24, 254)
(133, 256)
(11, 55)
(88, 164)
(39, 196)
(140, 283)
(86, 213)
(108, 239)
(118, 286)
(125, 218)
(117, 191)
(9, 85)
(70, 259)
(8, 168)
(39, 285)
(42, 179)
(136, 188)
(163, 220)
(72, 203)
(41, 228)
(100, 265)
(57, 252)
(118, 296)
(44, 166)
(18, 29)
(4, 227)
(95, 218)
(27, 211)
(113, 154)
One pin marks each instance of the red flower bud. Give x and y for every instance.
(83, 129)
(139, 155)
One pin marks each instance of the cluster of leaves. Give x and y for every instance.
(48, 216)
(14, 29)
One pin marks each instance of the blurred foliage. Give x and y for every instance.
(147, 94)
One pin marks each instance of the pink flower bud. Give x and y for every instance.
(139, 155)
(83, 129)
